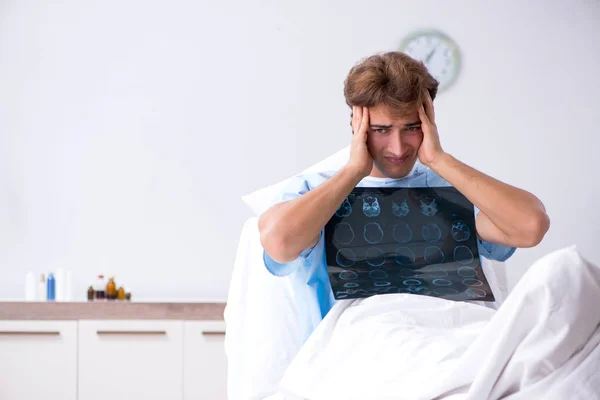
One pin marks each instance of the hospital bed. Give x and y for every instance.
(542, 343)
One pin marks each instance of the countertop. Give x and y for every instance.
(111, 310)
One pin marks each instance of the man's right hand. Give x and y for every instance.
(288, 228)
(360, 158)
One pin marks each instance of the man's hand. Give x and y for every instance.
(430, 149)
(508, 215)
(360, 158)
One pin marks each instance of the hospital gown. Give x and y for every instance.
(310, 268)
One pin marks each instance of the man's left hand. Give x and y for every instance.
(430, 149)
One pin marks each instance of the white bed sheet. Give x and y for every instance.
(266, 319)
(542, 343)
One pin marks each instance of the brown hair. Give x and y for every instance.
(393, 79)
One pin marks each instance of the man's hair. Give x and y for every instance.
(392, 79)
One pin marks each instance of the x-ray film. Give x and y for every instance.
(405, 240)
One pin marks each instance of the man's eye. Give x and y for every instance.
(381, 131)
(413, 129)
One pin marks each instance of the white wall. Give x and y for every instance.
(130, 129)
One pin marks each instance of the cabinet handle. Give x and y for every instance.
(131, 332)
(213, 333)
(29, 333)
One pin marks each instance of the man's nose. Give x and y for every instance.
(395, 144)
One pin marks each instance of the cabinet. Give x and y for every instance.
(130, 360)
(113, 359)
(38, 360)
(204, 361)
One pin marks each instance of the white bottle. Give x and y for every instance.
(41, 289)
(69, 286)
(59, 277)
(30, 289)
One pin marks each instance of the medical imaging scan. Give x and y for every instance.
(405, 240)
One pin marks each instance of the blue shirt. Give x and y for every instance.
(308, 273)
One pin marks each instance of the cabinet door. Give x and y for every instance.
(130, 360)
(204, 361)
(38, 360)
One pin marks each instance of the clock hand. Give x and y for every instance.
(431, 53)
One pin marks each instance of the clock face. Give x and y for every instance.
(438, 52)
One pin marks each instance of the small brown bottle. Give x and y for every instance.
(128, 294)
(100, 289)
(90, 294)
(111, 289)
(121, 293)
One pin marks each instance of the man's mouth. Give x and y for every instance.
(397, 160)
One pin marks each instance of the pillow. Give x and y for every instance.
(260, 200)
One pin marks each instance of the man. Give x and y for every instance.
(395, 143)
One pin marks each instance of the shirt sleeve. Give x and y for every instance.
(283, 269)
(493, 251)
(296, 188)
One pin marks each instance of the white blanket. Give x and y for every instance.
(542, 343)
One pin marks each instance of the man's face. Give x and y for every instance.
(393, 141)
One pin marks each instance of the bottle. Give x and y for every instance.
(111, 289)
(90, 293)
(59, 284)
(69, 286)
(100, 288)
(121, 293)
(128, 294)
(41, 288)
(51, 287)
(30, 287)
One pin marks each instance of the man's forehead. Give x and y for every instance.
(382, 115)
